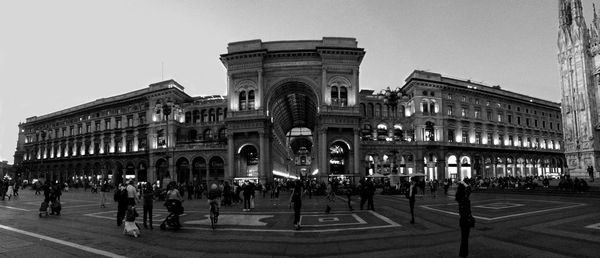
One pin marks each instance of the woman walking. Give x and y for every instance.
(466, 220)
(296, 198)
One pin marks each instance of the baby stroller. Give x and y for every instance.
(55, 207)
(175, 209)
(44, 209)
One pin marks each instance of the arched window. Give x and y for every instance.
(343, 96)
(219, 114)
(251, 100)
(222, 135)
(207, 135)
(204, 116)
(196, 116)
(188, 117)
(211, 115)
(424, 107)
(363, 109)
(334, 96)
(243, 100)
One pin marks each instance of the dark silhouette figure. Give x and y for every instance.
(466, 220)
(296, 199)
(590, 170)
(410, 194)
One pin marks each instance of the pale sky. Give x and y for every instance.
(58, 54)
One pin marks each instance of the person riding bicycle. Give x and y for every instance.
(214, 196)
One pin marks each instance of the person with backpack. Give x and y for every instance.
(296, 199)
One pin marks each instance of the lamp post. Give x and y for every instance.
(390, 98)
(167, 111)
(43, 134)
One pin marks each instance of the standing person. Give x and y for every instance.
(296, 198)
(104, 189)
(121, 199)
(349, 196)
(466, 220)
(590, 170)
(132, 197)
(38, 187)
(9, 190)
(248, 192)
(410, 194)
(148, 197)
(370, 193)
(433, 185)
(446, 186)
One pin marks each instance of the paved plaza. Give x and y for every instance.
(508, 225)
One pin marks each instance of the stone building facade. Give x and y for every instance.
(579, 67)
(295, 108)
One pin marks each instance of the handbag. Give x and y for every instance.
(471, 221)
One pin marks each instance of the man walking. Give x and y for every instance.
(410, 194)
(590, 170)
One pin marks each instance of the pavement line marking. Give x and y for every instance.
(503, 217)
(386, 219)
(62, 242)
(14, 208)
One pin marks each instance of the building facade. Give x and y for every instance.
(295, 108)
(579, 66)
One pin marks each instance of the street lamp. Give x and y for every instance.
(167, 111)
(390, 98)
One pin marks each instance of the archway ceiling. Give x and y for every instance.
(294, 105)
(299, 142)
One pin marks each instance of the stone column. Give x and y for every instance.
(258, 98)
(326, 97)
(101, 145)
(136, 141)
(323, 152)
(230, 157)
(263, 155)
(112, 143)
(356, 151)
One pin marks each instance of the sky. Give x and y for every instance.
(62, 53)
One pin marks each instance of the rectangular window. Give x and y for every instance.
(142, 118)
(71, 131)
(518, 109)
(130, 121)
(79, 129)
(490, 138)
(558, 127)
(463, 112)
(451, 136)
(535, 123)
(499, 117)
(465, 136)
(107, 124)
(478, 137)
(527, 121)
(450, 110)
(118, 125)
(509, 119)
(544, 124)
(477, 114)
(449, 96)
(489, 115)
(129, 146)
(550, 125)
(88, 128)
(519, 120)
(97, 126)
(464, 99)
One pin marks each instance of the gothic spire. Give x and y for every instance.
(564, 12)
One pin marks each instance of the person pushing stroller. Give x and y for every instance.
(174, 207)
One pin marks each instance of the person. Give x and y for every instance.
(130, 227)
(330, 196)
(591, 173)
(173, 196)
(446, 186)
(410, 194)
(275, 193)
(349, 196)
(9, 190)
(148, 197)
(104, 189)
(37, 187)
(248, 193)
(132, 197)
(433, 184)
(370, 193)
(120, 198)
(466, 220)
(214, 196)
(296, 199)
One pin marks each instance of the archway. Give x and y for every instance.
(338, 157)
(130, 171)
(291, 104)
(162, 170)
(216, 169)
(183, 170)
(465, 167)
(452, 167)
(142, 172)
(199, 169)
(248, 162)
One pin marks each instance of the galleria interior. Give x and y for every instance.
(296, 108)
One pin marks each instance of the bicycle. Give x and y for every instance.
(214, 215)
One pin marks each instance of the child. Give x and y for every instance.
(131, 227)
